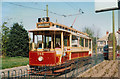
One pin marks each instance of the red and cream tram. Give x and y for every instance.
(57, 43)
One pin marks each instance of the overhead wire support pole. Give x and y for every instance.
(113, 35)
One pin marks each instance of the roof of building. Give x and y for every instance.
(104, 38)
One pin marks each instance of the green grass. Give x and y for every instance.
(9, 62)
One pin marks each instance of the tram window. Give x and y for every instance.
(60, 27)
(65, 40)
(57, 26)
(86, 42)
(47, 43)
(82, 42)
(38, 41)
(68, 29)
(90, 44)
(74, 41)
(58, 41)
(40, 45)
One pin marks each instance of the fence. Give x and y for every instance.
(79, 66)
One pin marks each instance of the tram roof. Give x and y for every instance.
(53, 29)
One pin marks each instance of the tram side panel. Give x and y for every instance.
(40, 58)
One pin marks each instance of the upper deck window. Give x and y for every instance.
(57, 26)
(60, 27)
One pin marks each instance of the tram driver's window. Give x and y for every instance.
(58, 41)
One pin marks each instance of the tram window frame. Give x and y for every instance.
(86, 42)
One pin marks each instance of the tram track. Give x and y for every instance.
(79, 66)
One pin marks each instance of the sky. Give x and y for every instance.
(29, 12)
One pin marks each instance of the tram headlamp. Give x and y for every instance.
(40, 58)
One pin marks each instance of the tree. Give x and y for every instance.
(91, 34)
(89, 31)
(18, 44)
(5, 33)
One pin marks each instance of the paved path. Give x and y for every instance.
(105, 69)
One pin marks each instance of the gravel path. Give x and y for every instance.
(105, 69)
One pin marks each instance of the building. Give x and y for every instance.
(118, 36)
(102, 42)
(118, 32)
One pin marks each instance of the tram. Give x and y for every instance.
(57, 43)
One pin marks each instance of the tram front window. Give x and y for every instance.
(47, 42)
(58, 41)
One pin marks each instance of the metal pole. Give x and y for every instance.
(96, 52)
(96, 47)
(47, 9)
(47, 16)
(113, 35)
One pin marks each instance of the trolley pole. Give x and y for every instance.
(47, 16)
(113, 35)
(47, 9)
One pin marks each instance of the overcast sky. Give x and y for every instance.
(28, 13)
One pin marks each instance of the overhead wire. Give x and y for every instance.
(46, 10)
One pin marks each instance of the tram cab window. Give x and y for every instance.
(58, 41)
(38, 42)
(47, 42)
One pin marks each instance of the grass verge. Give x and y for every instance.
(9, 62)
